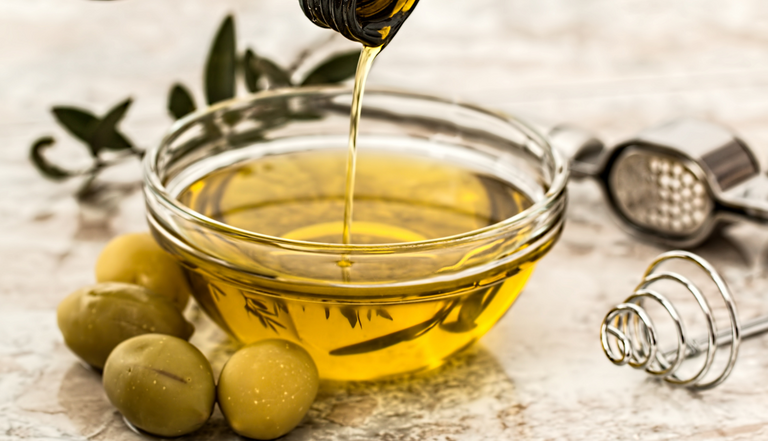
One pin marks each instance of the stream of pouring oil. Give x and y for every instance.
(367, 56)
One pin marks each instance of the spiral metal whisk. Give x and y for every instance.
(636, 337)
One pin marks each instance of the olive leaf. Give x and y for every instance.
(106, 134)
(96, 133)
(260, 310)
(78, 122)
(394, 338)
(471, 308)
(351, 315)
(232, 117)
(217, 292)
(276, 75)
(222, 63)
(180, 101)
(381, 312)
(252, 76)
(335, 70)
(47, 169)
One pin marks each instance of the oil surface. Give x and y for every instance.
(399, 198)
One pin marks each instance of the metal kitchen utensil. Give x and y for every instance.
(635, 337)
(673, 183)
(582, 148)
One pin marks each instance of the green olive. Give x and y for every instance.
(97, 318)
(137, 258)
(266, 388)
(161, 384)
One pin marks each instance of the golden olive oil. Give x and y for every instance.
(399, 197)
(367, 56)
(367, 319)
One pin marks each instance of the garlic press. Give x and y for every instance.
(673, 183)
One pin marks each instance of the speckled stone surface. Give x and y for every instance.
(613, 67)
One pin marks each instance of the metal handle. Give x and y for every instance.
(748, 200)
(582, 148)
(750, 329)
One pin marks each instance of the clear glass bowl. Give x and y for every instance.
(409, 306)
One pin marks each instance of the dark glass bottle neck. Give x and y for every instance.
(371, 22)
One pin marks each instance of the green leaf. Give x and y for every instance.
(334, 70)
(351, 315)
(471, 308)
(95, 132)
(45, 168)
(252, 75)
(397, 337)
(106, 134)
(221, 65)
(267, 318)
(79, 122)
(277, 76)
(116, 113)
(180, 101)
(381, 312)
(232, 117)
(306, 116)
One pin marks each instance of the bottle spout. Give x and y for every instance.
(371, 22)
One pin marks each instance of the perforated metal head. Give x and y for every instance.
(660, 193)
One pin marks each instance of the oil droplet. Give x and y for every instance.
(344, 263)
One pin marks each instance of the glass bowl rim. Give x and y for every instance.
(554, 193)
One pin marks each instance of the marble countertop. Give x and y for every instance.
(612, 67)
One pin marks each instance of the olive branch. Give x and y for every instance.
(107, 145)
